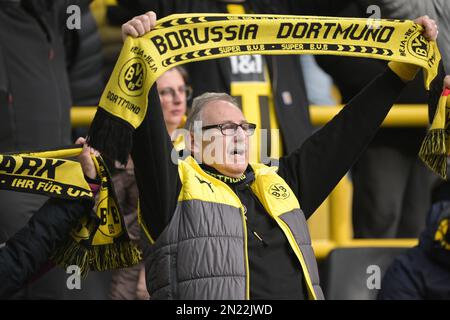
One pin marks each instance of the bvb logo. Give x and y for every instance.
(110, 222)
(279, 191)
(84, 229)
(418, 46)
(132, 77)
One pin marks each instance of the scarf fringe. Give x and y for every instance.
(433, 152)
(72, 253)
(111, 136)
(115, 256)
(98, 258)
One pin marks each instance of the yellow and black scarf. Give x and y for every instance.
(436, 146)
(182, 38)
(99, 242)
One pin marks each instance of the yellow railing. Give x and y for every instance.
(401, 115)
(408, 115)
(82, 116)
(339, 202)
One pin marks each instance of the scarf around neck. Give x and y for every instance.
(246, 177)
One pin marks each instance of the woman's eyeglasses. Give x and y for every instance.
(170, 93)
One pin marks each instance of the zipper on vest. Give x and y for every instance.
(247, 267)
(265, 244)
(260, 238)
(294, 246)
(257, 236)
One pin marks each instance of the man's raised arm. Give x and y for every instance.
(313, 170)
(156, 174)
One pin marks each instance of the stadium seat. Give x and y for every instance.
(348, 275)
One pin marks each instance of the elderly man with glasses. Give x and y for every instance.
(222, 228)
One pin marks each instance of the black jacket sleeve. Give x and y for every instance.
(28, 250)
(156, 174)
(313, 170)
(405, 280)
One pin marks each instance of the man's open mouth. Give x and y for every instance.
(239, 152)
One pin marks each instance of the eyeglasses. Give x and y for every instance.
(230, 128)
(170, 93)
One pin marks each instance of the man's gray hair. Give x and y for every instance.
(201, 101)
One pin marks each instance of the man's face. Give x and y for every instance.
(228, 153)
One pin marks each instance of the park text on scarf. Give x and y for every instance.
(100, 241)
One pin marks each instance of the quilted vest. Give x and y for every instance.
(202, 253)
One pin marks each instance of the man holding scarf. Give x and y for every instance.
(270, 89)
(222, 228)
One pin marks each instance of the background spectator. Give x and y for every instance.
(423, 272)
(319, 85)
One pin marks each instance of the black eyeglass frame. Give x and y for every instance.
(249, 131)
